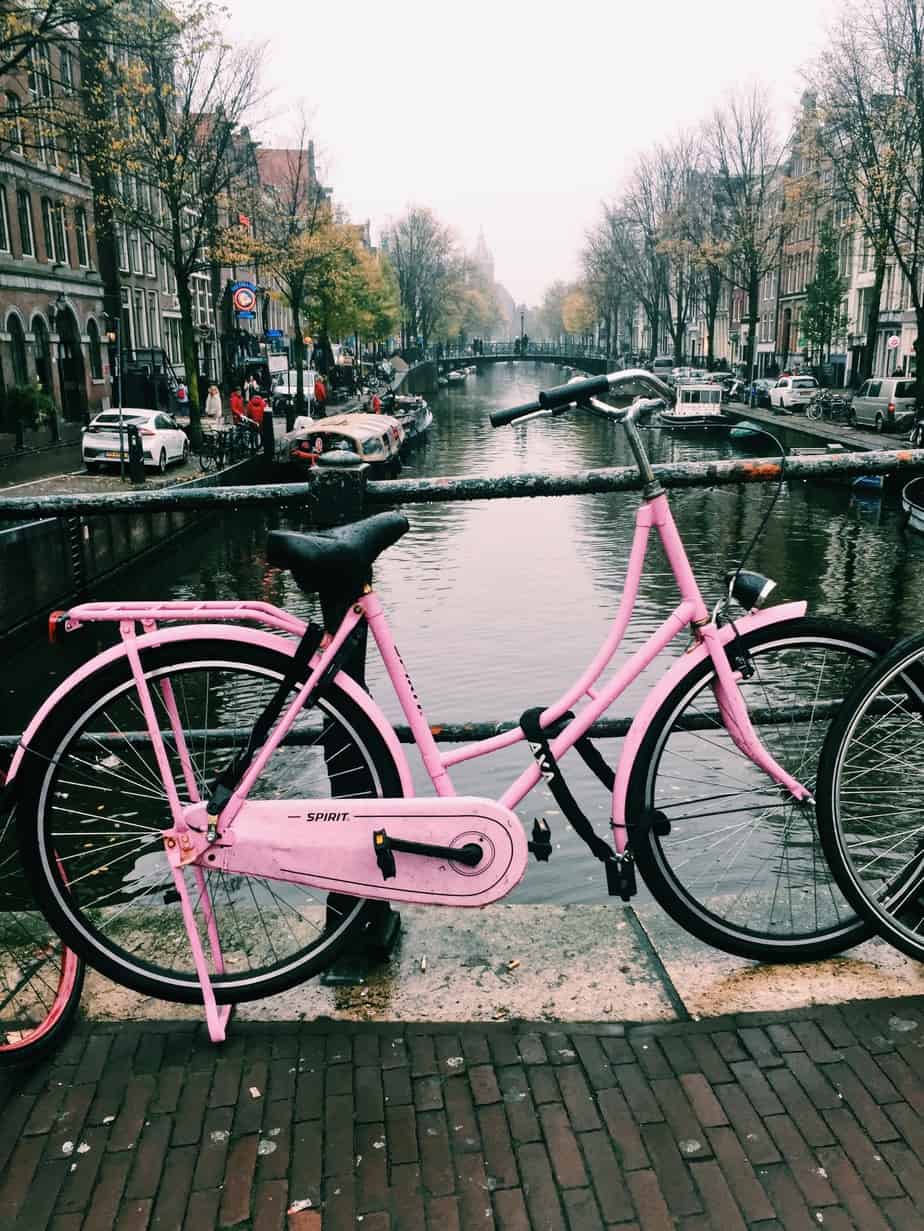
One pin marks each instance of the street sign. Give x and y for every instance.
(244, 298)
(893, 341)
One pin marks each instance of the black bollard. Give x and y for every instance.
(340, 478)
(135, 455)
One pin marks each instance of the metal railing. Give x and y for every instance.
(311, 494)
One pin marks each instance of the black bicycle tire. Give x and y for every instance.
(41, 871)
(655, 867)
(830, 828)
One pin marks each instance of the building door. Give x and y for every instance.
(71, 368)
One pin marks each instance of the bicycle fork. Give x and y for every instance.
(737, 720)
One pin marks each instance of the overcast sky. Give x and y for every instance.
(518, 118)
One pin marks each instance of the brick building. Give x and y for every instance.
(52, 328)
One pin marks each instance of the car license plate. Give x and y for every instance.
(112, 453)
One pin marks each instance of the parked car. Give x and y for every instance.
(886, 403)
(793, 392)
(661, 366)
(162, 439)
(284, 387)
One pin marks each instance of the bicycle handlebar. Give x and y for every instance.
(562, 397)
(499, 418)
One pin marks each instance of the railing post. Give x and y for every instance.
(339, 481)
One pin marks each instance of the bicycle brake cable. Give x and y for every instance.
(757, 533)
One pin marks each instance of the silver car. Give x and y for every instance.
(886, 403)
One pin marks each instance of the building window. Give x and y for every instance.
(128, 332)
(41, 89)
(4, 222)
(96, 354)
(141, 319)
(24, 213)
(153, 320)
(18, 351)
(150, 259)
(137, 265)
(14, 119)
(123, 249)
(67, 71)
(75, 156)
(83, 239)
(59, 227)
(173, 339)
(47, 233)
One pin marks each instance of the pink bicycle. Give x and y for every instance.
(207, 809)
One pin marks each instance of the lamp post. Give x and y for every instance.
(114, 338)
(522, 327)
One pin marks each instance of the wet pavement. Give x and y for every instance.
(783, 1120)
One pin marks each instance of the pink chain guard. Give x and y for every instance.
(333, 850)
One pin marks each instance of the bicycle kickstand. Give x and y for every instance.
(216, 1016)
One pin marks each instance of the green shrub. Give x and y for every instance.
(25, 406)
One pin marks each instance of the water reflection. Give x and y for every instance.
(496, 605)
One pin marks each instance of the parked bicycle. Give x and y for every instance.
(834, 407)
(871, 797)
(40, 979)
(226, 446)
(227, 801)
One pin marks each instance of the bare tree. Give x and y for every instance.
(165, 101)
(745, 158)
(426, 261)
(607, 279)
(869, 129)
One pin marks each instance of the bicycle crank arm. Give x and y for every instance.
(453, 850)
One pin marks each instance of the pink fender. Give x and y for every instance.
(213, 632)
(658, 694)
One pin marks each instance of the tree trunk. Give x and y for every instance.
(190, 360)
(299, 407)
(753, 317)
(872, 323)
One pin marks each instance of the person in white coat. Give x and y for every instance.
(213, 407)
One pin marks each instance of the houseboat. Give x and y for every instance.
(698, 408)
(376, 439)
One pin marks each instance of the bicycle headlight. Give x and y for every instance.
(749, 589)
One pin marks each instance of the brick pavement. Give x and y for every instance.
(803, 1119)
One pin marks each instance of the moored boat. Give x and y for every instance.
(376, 439)
(913, 503)
(698, 408)
(456, 377)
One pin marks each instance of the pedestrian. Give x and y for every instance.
(250, 388)
(320, 396)
(376, 404)
(182, 396)
(237, 406)
(256, 408)
(213, 407)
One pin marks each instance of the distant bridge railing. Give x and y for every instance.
(513, 348)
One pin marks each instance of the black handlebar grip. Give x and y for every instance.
(576, 391)
(501, 417)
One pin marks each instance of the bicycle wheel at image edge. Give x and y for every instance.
(92, 802)
(40, 979)
(871, 797)
(742, 866)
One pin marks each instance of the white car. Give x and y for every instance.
(792, 392)
(162, 439)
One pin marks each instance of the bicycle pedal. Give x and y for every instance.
(541, 844)
(620, 877)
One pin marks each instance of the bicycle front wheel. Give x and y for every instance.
(871, 797)
(40, 979)
(742, 866)
(93, 807)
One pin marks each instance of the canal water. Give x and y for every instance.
(497, 605)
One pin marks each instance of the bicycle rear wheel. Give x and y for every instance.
(871, 797)
(40, 979)
(93, 805)
(742, 866)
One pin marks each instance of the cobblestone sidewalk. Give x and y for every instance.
(799, 1120)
